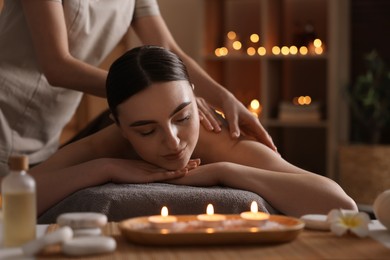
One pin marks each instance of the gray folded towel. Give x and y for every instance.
(122, 201)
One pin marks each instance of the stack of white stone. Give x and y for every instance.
(79, 234)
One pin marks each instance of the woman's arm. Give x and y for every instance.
(153, 30)
(95, 160)
(291, 194)
(251, 166)
(48, 31)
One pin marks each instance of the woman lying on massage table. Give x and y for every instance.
(158, 138)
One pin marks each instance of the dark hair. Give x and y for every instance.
(139, 68)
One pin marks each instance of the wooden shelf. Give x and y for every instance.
(273, 79)
(232, 57)
(297, 123)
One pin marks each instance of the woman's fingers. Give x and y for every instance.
(256, 130)
(241, 121)
(169, 175)
(232, 120)
(192, 164)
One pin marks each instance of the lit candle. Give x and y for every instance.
(162, 221)
(255, 107)
(254, 217)
(210, 219)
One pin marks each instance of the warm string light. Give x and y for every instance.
(254, 38)
(302, 100)
(276, 50)
(303, 50)
(237, 45)
(261, 51)
(293, 50)
(231, 35)
(251, 51)
(234, 45)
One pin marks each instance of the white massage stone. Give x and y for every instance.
(59, 236)
(83, 232)
(78, 220)
(316, 221)
(381, 208)
(89, 245)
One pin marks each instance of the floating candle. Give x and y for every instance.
(254, 217)
(162, 221)
(210, 219)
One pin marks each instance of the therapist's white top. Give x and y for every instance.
(33, 113)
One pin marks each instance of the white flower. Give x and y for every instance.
(342, 220)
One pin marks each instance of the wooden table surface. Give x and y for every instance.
(308, 245)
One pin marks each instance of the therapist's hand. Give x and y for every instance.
(239, 119)
(207, 116)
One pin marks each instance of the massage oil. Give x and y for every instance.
(19, 203)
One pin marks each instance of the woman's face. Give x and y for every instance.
(162, 123)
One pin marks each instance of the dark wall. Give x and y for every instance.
(370, 29)
(370, 22)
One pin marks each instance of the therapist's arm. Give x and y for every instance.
(47, 26)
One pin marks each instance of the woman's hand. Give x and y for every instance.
(137, 171)
(203, 176)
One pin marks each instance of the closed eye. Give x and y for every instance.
(146, 132)
(184, 118)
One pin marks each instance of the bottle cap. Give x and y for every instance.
(18, 162)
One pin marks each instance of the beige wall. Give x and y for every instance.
(185, 20)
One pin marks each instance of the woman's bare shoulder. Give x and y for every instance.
(220, 147)
(211, 146)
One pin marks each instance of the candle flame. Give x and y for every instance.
(317, 43)
(164, 211)
(210, 209)
(255, 104)
(254, 207)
